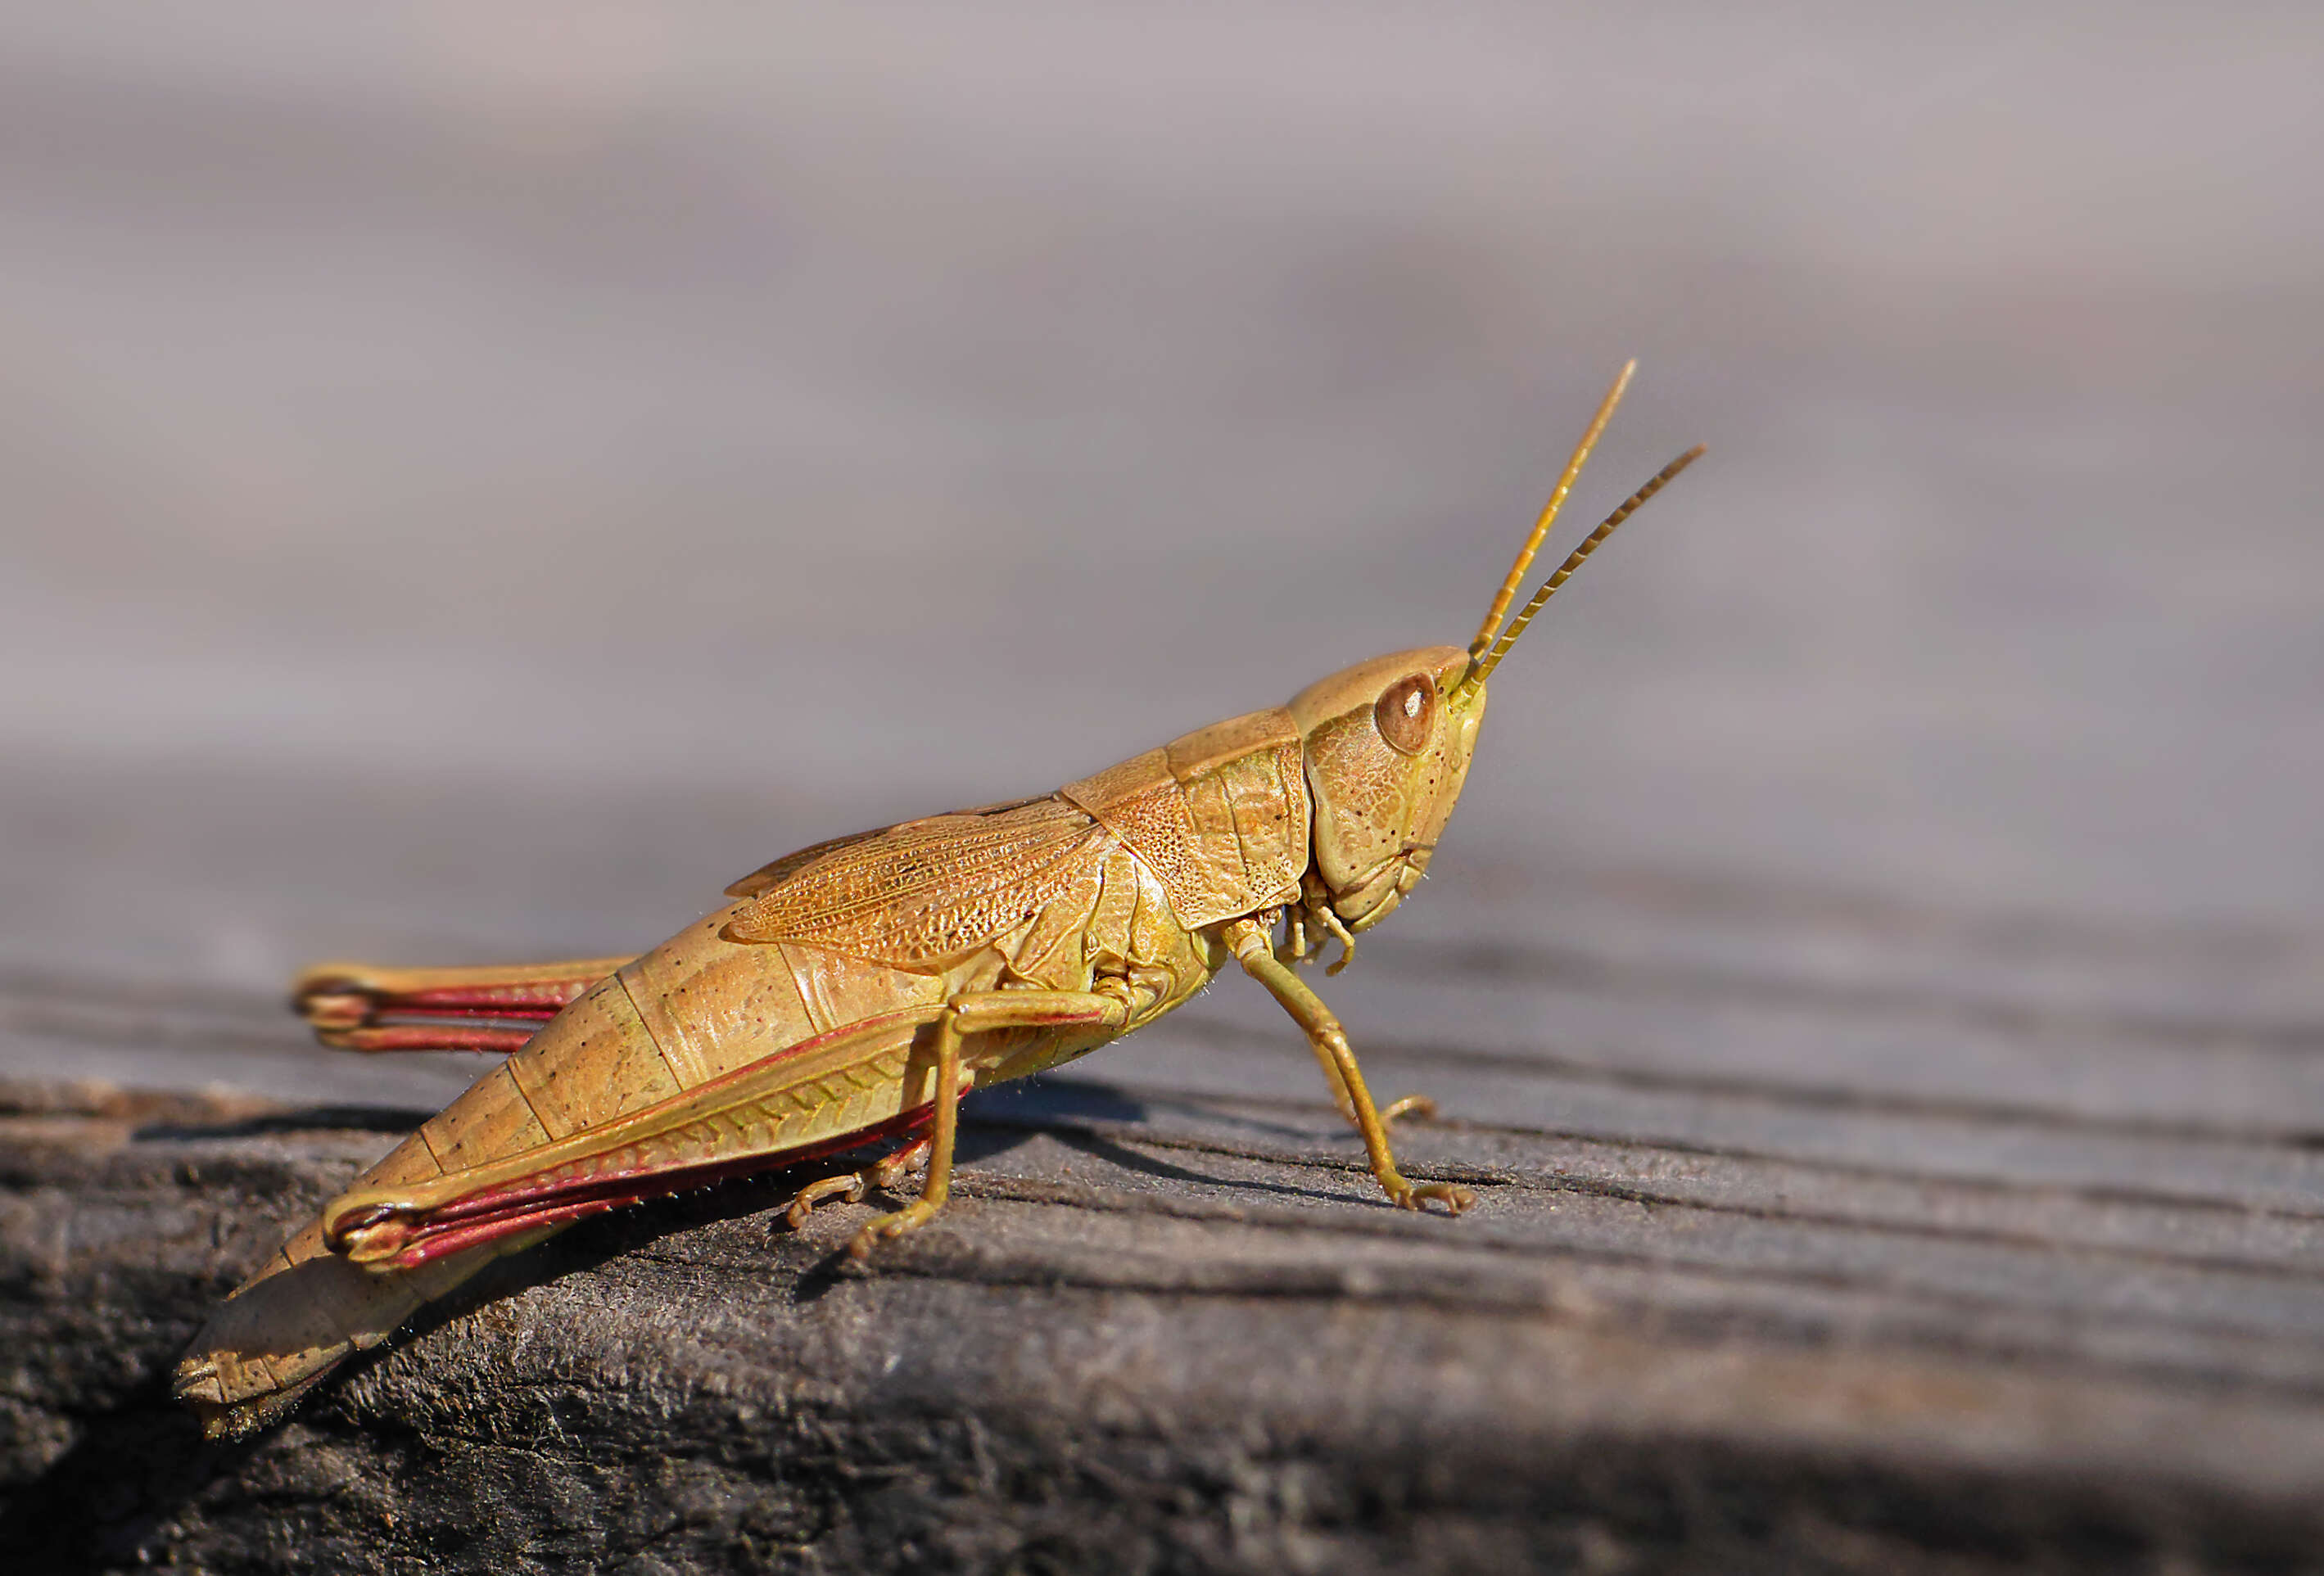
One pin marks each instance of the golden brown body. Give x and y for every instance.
(856, 990)
(1105, 888)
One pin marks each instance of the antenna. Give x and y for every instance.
(1479, 668)
(1508, 591)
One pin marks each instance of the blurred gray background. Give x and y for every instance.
(480, 477)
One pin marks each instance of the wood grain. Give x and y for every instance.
(1737, 1295)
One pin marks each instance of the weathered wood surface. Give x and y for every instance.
(2039, 1283)
(470, 494)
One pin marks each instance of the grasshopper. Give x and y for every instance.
(854, 990)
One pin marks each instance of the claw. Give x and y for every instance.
(851, 1187)
(1451, 1196)
(911, 1218)
(1418, 1106)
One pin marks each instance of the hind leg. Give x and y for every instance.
(350, 1005)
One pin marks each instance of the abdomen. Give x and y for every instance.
(690, 1010)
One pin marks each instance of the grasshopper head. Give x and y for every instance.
(1388, 742)
(1387, 745)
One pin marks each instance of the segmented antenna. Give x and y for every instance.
(1508, 591)
(1482, 666)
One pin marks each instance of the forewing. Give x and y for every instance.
(769, 876)
(924, 890)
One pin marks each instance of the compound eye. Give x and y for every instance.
(1406, 714)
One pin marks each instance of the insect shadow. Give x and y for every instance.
(1099, 1147)
(1044, 1101)
(1102, 1121)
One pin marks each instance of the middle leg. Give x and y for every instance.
(880, 1174)
(972, 1012)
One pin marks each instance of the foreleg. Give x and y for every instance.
(1299, 948)
(1248, 940)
